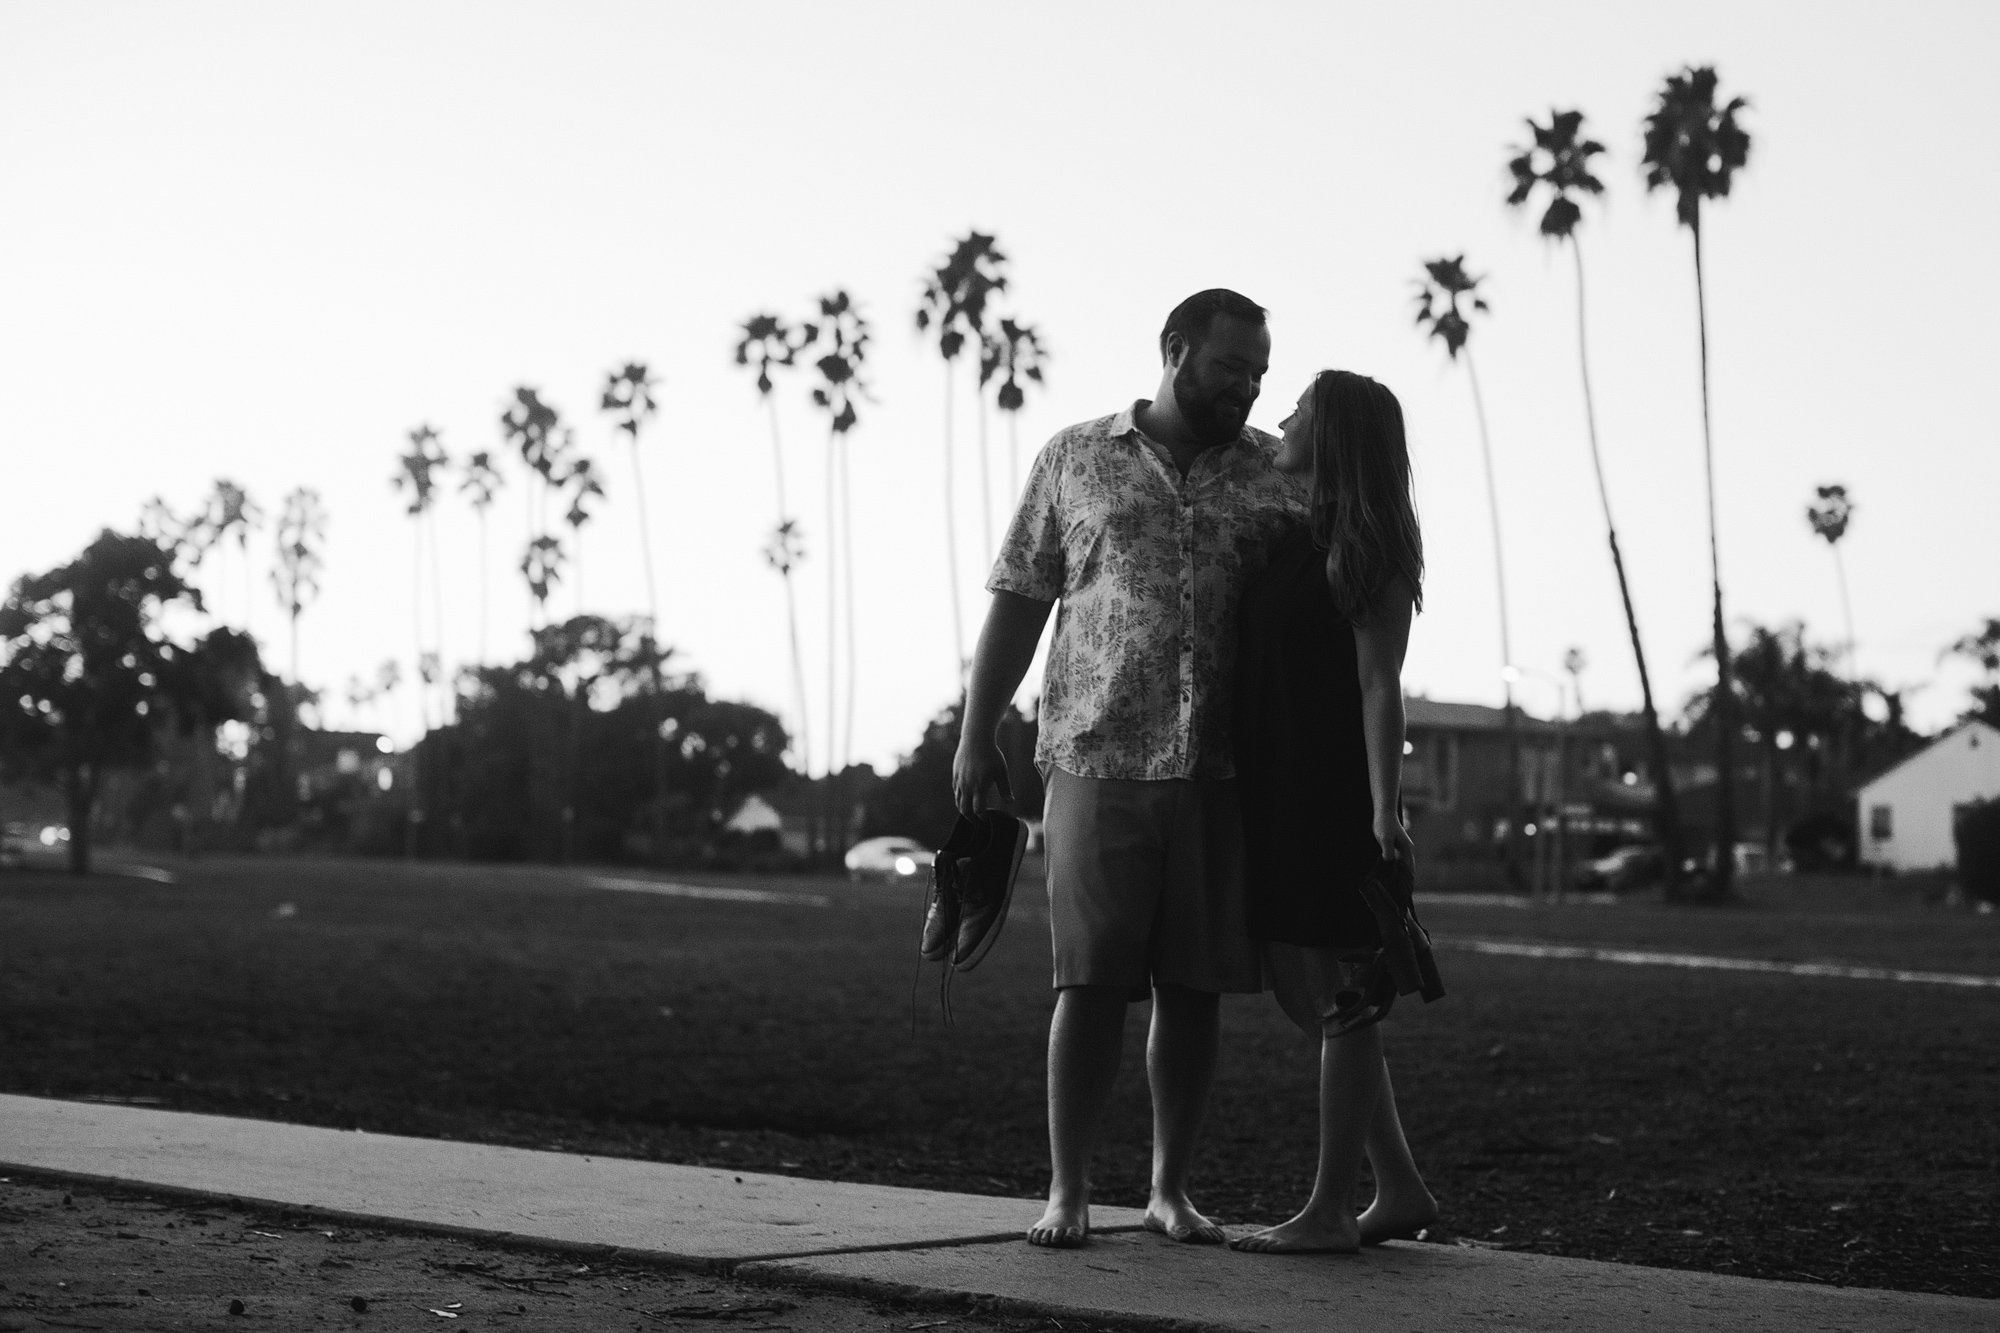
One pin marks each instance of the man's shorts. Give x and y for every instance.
(1146, 884)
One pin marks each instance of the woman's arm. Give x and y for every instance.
(1378, 652)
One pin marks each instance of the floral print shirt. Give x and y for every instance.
(1149, 567)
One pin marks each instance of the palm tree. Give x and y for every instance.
(580, 481)
(301, 533)
(769, 343)
(628, 394)
(426, 456)
(1015, 355)
(839, 388)
(533, 427)
(1559, 159)
(1695, 148)
(954, 299)
(482, 482)
(1439, 292)
(230, 509)
(784, 550)
(1829, 519)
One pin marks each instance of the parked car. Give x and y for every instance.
(888, 858)
(1627, 868)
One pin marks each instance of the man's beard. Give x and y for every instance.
(1216, 419)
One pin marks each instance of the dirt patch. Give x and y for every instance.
(76, 1257)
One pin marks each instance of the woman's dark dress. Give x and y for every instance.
(1302, 758)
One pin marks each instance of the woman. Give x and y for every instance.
(1319, 749)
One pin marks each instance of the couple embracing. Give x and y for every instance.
(1222, 734)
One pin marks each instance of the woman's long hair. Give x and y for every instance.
(1363, 513)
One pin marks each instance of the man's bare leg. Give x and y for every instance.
(1086, 1042)
(1351, 1080)
(1180, 1066)
(1403, 1204)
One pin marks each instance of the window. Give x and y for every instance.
(1880, 825)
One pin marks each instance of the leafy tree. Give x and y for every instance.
(1983, 647)
(769, 343)
(954, 300)
(90, 679)
(1015, 355)
(301, 532)
(1558, 163)
(1439, 293)
(607, 682)
(1695, 148)
(1829, 517)
(840, 387)
(915, 800)
(482, 481)
(628, 397)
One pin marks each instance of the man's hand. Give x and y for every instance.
(976, 769)
(1394, 840)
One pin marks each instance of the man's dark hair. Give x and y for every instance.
(1193, 317)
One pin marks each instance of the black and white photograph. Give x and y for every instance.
(1009, 667)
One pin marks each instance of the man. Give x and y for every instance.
(1144, 525)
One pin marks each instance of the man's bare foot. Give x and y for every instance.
(1308, 1233)
(1397, 1219)
(1176, 1219)
(1063, 1227)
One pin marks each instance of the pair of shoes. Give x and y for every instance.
(972, 885)
(1389, 891)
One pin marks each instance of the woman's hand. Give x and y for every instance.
(1394, 839)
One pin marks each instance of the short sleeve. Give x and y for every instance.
(1031, 555)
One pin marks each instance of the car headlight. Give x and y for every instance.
(905, 866)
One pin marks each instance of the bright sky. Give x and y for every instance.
(264, 241)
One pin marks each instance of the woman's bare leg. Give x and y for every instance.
(1403, 1203)
(1351, 1084)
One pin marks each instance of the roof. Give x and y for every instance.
(1980, 728)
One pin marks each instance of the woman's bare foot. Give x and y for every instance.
(1400, 1218)
(1064, 1226)
(1176, 1219)
(1308, 1233)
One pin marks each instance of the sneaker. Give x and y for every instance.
(945, 904)
(988, 890)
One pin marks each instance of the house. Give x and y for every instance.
(1591, 778)
(1906, 814)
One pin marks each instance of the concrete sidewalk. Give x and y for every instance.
(918, 1244)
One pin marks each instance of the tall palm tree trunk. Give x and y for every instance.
(416, 616)
(645, 536)
(1667, 816)
(847, 570)
(1725, 702)
(437, 624)
(1510, 714)
(484, 583)
(1846, 608)
(832, 644)
(951, 537)
(1013, 461)
(791, 601)
(985, 483)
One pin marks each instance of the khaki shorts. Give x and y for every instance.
(1146, 885)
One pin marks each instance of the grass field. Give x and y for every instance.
(1804, 1128)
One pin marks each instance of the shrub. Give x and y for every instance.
(1977, 832)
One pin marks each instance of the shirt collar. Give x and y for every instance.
(1127, 423)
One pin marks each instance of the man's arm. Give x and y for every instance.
(1006, 646)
